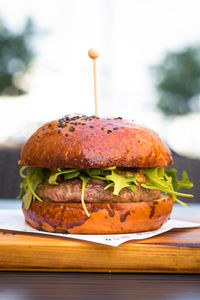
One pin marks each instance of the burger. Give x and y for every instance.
(89, 175)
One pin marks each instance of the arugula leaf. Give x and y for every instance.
(23, 188)
(109, 185)
(35, 176)
(120, 181)
(98, 173)
(27, 198)
(84, 179)
(21, 171)
(52, 179)
(185, 182)
(71, 175)
(157, 178)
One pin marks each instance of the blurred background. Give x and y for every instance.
(148, 70)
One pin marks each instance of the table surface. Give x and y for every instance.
(47, 285)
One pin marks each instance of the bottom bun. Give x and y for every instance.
(105, 218)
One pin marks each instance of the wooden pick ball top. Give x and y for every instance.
(93, 53)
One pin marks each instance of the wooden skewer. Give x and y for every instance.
(94, 53)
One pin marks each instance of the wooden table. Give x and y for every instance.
(176, 251)
(62, 285)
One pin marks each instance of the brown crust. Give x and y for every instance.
(90, 142)
(105, 218)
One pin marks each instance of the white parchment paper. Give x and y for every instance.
(14, 220)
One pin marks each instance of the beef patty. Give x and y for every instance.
(70, 191)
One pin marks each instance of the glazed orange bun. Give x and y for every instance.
(91, 142)
(105, 218)
(87, 143)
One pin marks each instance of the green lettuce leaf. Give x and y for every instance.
(21, 172)
(53, 178)
(27, 198)
(71, 175)
(35, 176)
(157, 178)
(185, 182)
(98, 173)
(119, 182)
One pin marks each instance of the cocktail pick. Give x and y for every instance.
(94, 53)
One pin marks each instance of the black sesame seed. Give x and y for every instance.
(71, 128)
(59, 131)
(38, 136)
(43, 128)
(52, 128)
(83, 124)
(102, 128)
(66, 134)
(91, 126)
(109, 131)
(115, 128)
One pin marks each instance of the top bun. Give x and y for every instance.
(91, 142)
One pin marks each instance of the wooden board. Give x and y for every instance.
(177, 251)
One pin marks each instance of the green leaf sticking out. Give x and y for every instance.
(27, 198)
(21, 172)
(157, 178)
(35, 176)
(185, 182)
